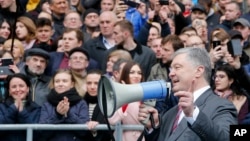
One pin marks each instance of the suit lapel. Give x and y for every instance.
(182, 126)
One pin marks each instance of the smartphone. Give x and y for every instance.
(164, 2)
(6, 61)
(4, 70)
(131, 3)
(234, 47)
(216, 43)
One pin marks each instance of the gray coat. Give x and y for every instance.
(40, 88)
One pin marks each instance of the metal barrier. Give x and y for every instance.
(30, 127)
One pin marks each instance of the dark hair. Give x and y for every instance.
(41, 22)
(2, 40)
(230, 72)
(22, 77)
(94, 71)
(2, 20)
(126, 71)
(188, 28)
(174, 40)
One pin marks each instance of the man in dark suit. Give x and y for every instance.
(72, 38)
(203, 115)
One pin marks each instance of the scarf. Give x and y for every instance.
(54, 98)
(224, 94)
(90, 99)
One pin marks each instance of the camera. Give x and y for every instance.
(164, 2)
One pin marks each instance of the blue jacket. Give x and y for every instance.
(78, 114)
(10, 115)
(136, 19)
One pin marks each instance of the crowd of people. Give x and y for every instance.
(56, 51)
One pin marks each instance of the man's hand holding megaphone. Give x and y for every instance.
(144, 112)
(186, 102)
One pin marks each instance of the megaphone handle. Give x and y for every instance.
(149, 103)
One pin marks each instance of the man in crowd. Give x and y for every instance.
(36, 62)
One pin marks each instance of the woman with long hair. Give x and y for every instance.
(128, 113)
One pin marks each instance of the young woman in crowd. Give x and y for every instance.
(26, 31)
(64, 106)
(18, 107)
(5, 29)
(128, 114)
(227, 86)
(95, 115)
(17, 51)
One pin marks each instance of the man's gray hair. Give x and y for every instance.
(197, 57)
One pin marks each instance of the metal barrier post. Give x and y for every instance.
(29, 134)
(118, 131)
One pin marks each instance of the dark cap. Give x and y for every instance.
(242, 21)
(79, 49)
(235, 34)
(88, 11)
(38, 52)
(199, 7)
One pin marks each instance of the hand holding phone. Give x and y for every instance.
(215, 44)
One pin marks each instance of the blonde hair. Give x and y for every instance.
(7, 46)
(121, 54)
(77, 84)
(31, 27)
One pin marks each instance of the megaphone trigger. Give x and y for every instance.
(148, 103)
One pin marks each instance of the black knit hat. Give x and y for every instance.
(88, 11)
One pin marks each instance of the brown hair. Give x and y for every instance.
(175, 40)
(126, 71)
(79, 33)
(121, 54)
(31, 27)
(125, 25)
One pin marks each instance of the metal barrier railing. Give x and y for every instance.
(30, 127)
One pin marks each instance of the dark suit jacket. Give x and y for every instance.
(56, 59)
(212, 123)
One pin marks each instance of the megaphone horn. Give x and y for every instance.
(113, 95)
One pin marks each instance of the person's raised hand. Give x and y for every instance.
(186, 100)
(92, 124)
(233, 61)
